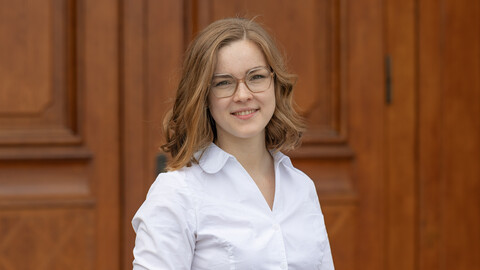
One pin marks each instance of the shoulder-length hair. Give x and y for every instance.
(189, 127)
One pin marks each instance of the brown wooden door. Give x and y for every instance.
(449, 134)
(433, 135)
(59, 130)
(84, 86)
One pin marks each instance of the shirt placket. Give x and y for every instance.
(280, 245)
(283, 264)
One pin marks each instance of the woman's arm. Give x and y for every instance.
(165, 226)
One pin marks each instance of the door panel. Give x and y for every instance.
(449, 135)
(401, 163)
(59, 196)
(37, 89)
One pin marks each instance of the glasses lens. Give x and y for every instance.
(223, 85)
(258, 79)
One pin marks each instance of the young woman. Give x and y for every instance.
(231, 199)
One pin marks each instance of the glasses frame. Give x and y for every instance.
(238, 81)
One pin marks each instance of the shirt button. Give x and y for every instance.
(276, 227)
(283, 265)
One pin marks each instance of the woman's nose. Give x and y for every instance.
(242, 93)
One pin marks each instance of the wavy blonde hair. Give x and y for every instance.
(189, 127)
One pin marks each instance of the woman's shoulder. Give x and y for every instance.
(292, 173)
(177, 182)
(284, 160)
(173, 190)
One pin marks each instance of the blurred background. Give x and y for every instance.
(390, 89)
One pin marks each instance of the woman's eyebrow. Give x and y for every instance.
(222, 75)
(228, 74)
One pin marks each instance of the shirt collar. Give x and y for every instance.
(212, 159)
(281, 158)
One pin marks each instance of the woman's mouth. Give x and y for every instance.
(242, 113)
(245, 114)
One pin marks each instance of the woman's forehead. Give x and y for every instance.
(238, 57)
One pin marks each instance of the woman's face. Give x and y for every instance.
(245, 114)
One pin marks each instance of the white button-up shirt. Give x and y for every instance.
(213, 216)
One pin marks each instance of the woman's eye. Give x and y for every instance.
(257, 77)
(223, 83)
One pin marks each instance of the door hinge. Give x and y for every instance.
(388, 80)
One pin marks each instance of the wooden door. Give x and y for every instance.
(59, 130)
(449, 134)
(84, 86)
(433, 134)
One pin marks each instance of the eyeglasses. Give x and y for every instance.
(256, 79)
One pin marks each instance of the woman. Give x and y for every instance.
(231, 199)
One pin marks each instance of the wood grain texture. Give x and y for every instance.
(37, 77)
(98, 63)
(366, 124)
(134, 160)
(47, 239)
(27, 56)
(59, 137)
(449, 134)
(152, 47)
(401, 184)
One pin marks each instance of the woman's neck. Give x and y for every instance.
(251, 153)
(256, 160)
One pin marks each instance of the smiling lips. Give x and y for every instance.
(245, 114)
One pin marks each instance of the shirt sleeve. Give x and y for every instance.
(327, 260)
(165, 226)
